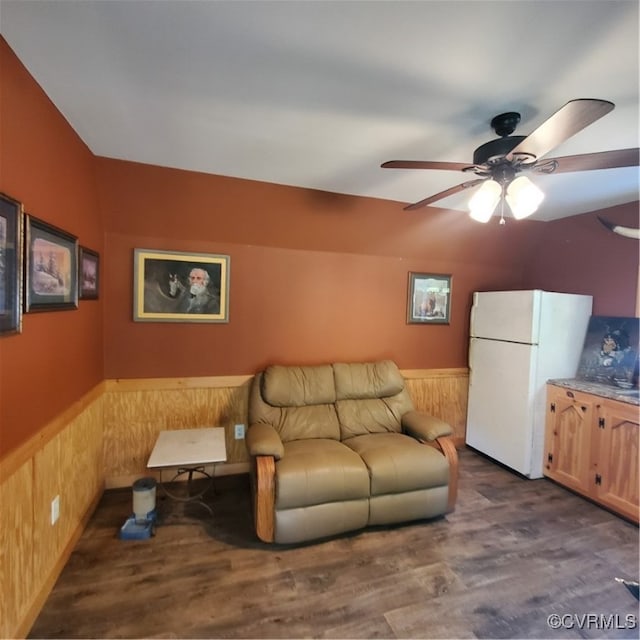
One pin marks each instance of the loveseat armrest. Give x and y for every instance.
(448, 449)
(263, 489)
(263, 440)
(424, 426)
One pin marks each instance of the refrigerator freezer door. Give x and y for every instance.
(501, 402)
(506, 315)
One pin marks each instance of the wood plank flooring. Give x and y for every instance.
(514, 552)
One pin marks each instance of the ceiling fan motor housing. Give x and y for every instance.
(505, 123)
(494, 150)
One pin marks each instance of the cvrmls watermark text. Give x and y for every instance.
(596, 621)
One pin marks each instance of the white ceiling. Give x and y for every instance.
(318, 94)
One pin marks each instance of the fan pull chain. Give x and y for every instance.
(502, 220)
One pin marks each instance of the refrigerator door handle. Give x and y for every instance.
(471, 344)
(472, 317)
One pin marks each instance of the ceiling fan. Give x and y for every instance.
(500, 164)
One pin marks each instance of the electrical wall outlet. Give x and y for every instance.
(239, 431)
(55, 510)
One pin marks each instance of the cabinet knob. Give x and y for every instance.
(570, 394)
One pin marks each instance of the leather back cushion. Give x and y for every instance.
(371, 398)
(291, 422)
(367, 380)
(330, 401)
(374, 415)
(298, 386)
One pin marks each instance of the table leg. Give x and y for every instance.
(190, 497)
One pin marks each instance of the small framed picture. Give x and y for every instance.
(174, 286)
(429, 298)
(51, 267)
(88, 274)
(10, 265)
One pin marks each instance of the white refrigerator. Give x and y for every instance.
(518, 340)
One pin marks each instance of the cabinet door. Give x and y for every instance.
(616, 480)
(569, 424)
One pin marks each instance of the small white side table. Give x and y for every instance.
(188, 451)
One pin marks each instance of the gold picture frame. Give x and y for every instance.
(179, 286)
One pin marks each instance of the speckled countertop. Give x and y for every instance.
(630, 396)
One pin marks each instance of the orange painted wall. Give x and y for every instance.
(43, 164)
(315, 277)
(580, 255)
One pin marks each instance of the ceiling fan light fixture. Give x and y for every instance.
(501, 160)
(523, 197)
(485, 200)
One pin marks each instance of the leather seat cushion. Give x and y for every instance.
(398, 463)
(320, 520)
(319, 470)
(412, 505)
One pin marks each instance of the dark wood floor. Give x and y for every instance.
(514, 552)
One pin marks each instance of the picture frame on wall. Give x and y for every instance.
(51, 267)
(11, 218)
(178, 286)
(429, 298)
(88, 274)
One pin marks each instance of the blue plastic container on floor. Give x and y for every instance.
(137, 530)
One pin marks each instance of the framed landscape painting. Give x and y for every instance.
(51, 267)
(429, 298)
(89, 274)
(10, 265)
(174, 286)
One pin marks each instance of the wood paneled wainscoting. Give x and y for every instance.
(104, 441)
(64, 459)
(137, 410)
(441, 393)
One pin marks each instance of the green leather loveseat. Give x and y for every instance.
(337, 447)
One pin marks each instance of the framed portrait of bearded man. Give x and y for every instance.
(177, 286)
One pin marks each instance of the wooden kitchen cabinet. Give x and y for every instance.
(569, 429)
(591, 447)
(616, 458)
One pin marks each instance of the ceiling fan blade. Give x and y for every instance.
(599, 160)
(564, 123)
(424, 164)
(443, 194)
